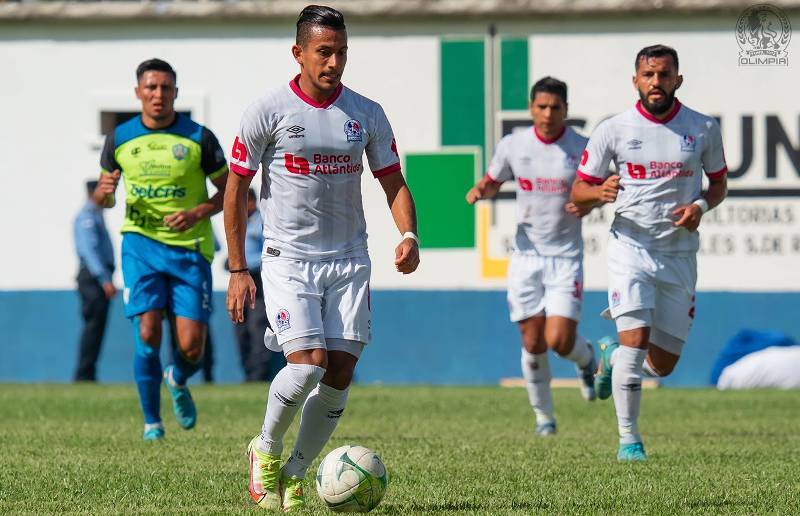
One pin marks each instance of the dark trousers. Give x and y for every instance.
(94, 310)
(259, 363)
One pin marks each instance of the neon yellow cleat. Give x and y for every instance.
(293, 497)
(265, 470)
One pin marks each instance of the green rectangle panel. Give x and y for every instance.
(463, 92)
(439, 183)
(514, 74)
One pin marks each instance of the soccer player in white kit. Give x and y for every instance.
(309, 137)
(545, 274)
(660, 148)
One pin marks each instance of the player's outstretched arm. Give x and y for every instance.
(404, 213)
(241, 287)
(486, 188)
(689, 215)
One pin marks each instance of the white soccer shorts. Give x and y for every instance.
(326, 298)
(642, 280)
(547, 285)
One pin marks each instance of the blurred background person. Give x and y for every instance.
(95, 285)
(258, 363)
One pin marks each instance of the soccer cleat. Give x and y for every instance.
(546, 429)
(153, 432)
(586, 377)
(182, 403)
(633, 452)
(602, 380)
(265, 472)
(293, 497)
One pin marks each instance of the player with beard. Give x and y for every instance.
(659, 147)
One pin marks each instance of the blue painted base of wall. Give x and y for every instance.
(432, 337)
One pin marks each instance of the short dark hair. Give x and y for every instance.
(656, 51)
(550, 85)
(91, 186)
(317, 16)
(157, 65)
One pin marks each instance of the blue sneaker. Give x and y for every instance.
(182, 403)
(602, 380)
(633, 452)
(546, 429)
(153, 432)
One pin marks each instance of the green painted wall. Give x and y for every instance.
(514, 91)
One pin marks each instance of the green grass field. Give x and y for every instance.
(449, 450)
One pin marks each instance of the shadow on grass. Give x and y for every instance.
(456, 506)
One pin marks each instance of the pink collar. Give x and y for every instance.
(548, 141)
(675, 108)
(294, 84)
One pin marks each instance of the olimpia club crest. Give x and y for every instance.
(763, 33)
(180, 151)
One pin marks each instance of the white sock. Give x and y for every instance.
(648, 370)
(613, 357)
(626, 385)
(287, 392)
(321, 413)
(581, 352)
(536, 370)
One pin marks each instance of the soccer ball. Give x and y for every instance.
(351, 479)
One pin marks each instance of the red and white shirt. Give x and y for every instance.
(544, 171)
(311, 158)
(660, 164)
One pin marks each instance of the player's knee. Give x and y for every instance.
(150, 334)
(561, 344)
(661, 367)
(338, 378)
(193, 353)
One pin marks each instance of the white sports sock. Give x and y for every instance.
(626, 385)
(581, 352)
(648, 370)
(613, 357)
(321, 413)
(287, 392)
(536, 370)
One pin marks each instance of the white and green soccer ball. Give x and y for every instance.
(352, 479)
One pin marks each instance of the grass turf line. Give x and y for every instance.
(449, 450)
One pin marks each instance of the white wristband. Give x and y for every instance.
(411, 235)
(702, 203)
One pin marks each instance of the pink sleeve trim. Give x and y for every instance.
(391, 169)
(718, 173)
(242, 171)
(589, 179)
(493, 180)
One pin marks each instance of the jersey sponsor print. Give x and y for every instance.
(660, 163)
(311, 158)
(544, 171)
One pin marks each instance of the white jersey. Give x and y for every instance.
(311, 158)
(660, 164)
(544, 170)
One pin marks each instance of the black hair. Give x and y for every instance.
(317, 16)
(550, 85)
(90, 186)
(157, 65)
(656, 51)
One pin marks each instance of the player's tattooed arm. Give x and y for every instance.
(689, 215)
(585, 194)
(486, 188)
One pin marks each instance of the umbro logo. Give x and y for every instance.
(634, 144)
(296, 130)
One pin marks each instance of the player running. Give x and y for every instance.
(309, 137)
(660, 149)
(545, 275)
(167, 244)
